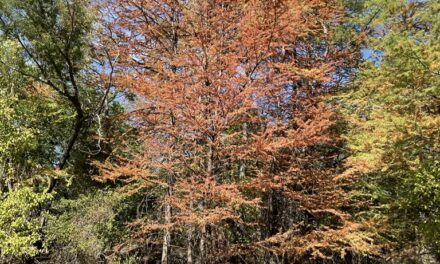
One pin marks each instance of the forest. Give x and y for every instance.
(219, 131)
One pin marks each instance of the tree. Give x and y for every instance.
(26, 117)
(19, 228)
(55, 42)
(232, 128)
(394, 111)
(56, 102)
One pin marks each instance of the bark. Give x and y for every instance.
(166, 236)
(167, 215)
(167, 233)
(189, 252)
(202, 204)
(202, 244)
(76, 130)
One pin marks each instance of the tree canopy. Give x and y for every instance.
(219, 131)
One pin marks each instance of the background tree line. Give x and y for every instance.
(208, 131)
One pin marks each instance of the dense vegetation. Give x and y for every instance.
(219, 131)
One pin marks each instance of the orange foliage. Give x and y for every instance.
(229, 113)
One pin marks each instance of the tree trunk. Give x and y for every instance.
(202, 244)
(167, 233)
(202, 204)
(79, 121)
(189, 252)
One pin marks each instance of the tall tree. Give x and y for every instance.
(55, 42)
(29, 120)
(232, 127)
(393, 110)
(55, 92)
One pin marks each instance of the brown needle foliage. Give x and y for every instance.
(232, 126)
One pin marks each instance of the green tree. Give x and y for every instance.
(32, 121)
(54, 41)
(56, 100)
(19, 229)
(394, 112)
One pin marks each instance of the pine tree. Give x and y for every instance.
(393, 109)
